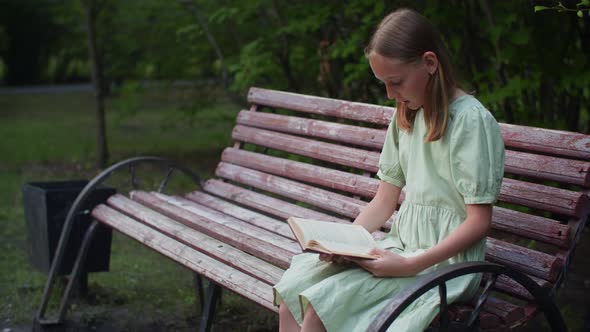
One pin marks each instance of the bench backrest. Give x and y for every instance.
(320, 155)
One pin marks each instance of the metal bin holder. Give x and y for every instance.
(46, 205)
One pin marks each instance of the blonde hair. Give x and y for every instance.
(406, 35)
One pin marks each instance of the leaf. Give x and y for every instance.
(580, 14)
(540, 8)
(222, 15)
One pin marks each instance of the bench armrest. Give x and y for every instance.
(73, 212)
(438, 278)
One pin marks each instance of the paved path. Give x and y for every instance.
(46, 89)
(87, 87)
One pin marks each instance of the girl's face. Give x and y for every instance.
(404, 82)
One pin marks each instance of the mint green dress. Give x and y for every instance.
(465, 166)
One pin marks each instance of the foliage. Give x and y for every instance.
(26, 46)
(528, 64)
(581, 7)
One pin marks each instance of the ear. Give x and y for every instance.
(430, 62)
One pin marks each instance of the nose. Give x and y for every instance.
(391, 92)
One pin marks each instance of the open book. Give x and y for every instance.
(332, 238)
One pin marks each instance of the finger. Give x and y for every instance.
(352, 259)
(328, 258)
(360, 262)
(378, 252)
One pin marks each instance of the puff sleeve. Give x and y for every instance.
(390, 169)
(477, 156)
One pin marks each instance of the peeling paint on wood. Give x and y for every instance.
(232, 279)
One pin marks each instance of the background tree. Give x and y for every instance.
(93, 9)
(27, 45)
(528, 67)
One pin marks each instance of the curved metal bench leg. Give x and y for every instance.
(77, 269)
(199, 291)
(39, 319)
(213, 296)
(75, 275)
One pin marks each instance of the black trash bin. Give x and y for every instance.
(46, 205)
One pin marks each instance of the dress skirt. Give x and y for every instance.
(348, 298)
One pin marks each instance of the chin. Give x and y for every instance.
(411, 108)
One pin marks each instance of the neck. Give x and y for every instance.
(456, 94)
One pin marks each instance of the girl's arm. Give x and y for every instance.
(381, 207)
(473, 229)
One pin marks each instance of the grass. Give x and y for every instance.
(51, 138)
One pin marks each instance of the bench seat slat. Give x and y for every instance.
(242, 284)
(320, 105)
(350, 207)
(262, 203)
(228, 277)
(233, 279)
(462, 312)
(273, 206)
(537, 196)
(337, 203)
(503, 283)
(561, 201)
(548, 168)
(326, 177)
(220, 251)
(267, 224)
(227, 220)
(533, 227)
(545, 141)
(518, 163)
(509, 286)
(334, 153)
(234, 237)
(367, 137)
(529, 261)
(540, 264)
(255, 218)
(507, 311)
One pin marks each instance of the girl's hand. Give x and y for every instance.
(331, 258)
(387, 265)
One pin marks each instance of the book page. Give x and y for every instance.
(344, 239)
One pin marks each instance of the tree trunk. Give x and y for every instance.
(283, 53)
(193, 7)
(508, 110)
(92, 11)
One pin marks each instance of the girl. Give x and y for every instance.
(448, 152)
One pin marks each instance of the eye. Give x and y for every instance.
(396, 83)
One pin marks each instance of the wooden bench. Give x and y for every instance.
(316, 157)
